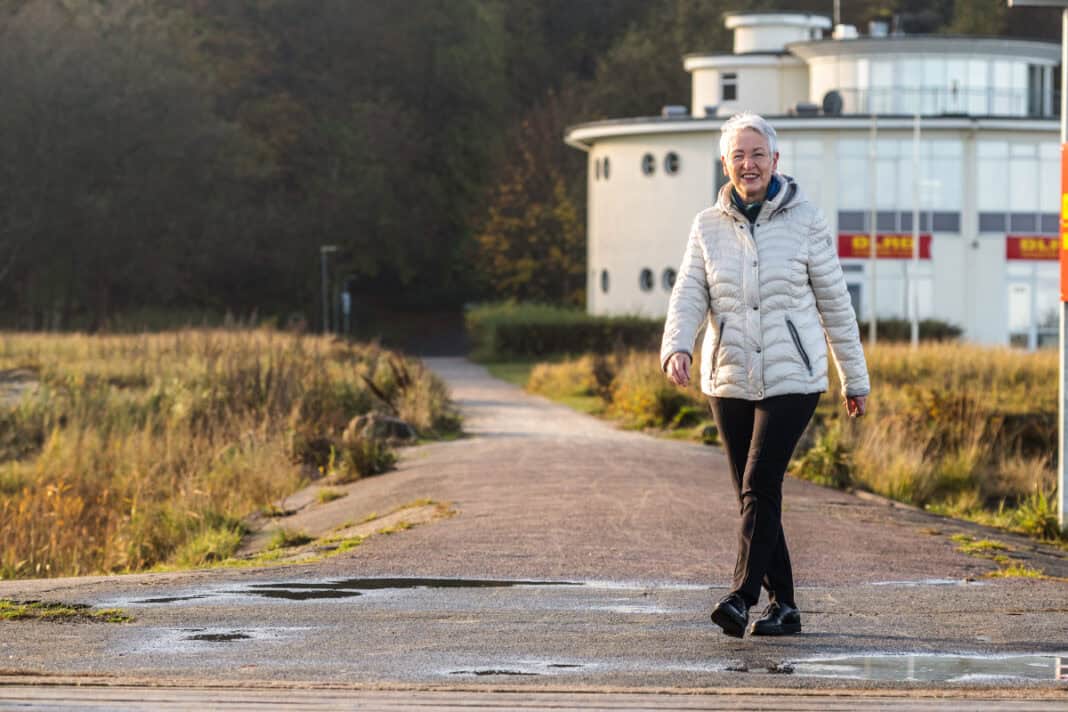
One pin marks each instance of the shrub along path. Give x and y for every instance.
(542, 494)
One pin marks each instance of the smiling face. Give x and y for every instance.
(750, 164)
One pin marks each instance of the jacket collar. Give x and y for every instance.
(787, 195)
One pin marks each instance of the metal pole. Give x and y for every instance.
(1062, 463)
(914, 292)
(873, 255)
(326, 296)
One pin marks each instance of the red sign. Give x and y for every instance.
(1032, 247)
(1064, 222)
(888, 246)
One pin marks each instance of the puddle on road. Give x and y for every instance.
(349, 588)
(481, 673)
(309, 594)
(929, 582)
(169, 599)
(936, 668)
(219, 637)
(368, 584)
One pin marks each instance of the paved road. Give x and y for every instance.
(581, 557)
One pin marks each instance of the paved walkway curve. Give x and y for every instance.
(644, 527)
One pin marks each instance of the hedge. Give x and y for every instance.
(510, 330)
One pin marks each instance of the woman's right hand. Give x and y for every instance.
(678, 368)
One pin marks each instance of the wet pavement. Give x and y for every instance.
(580, 558)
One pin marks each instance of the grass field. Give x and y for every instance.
(960, 430)
(134, 451)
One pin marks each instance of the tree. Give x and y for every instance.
(532, 245)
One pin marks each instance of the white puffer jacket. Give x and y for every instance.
(770, 293)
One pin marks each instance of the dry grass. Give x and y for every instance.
(962, 430)
(136, 451)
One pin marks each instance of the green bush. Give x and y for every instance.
(901, 330)
(510, 330)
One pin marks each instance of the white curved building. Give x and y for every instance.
(988, 177)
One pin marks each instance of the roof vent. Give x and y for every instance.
(804, 108)
(832, 103)
(845, 32)
(674, 111)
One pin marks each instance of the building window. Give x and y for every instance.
(991, 222)
(645, 280)
(852, 220)
(728, 86)
(945, 222)
(597, 169)
(604, 281)
(671, 163)
(648, 164)
(1023, 222)
(668, 279)
(604, 171)
(1050, 223)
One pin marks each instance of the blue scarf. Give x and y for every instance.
(752, 210)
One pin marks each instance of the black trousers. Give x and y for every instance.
(760, 437)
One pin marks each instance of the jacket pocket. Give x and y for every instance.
(800, 347)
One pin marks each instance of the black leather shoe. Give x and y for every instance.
(777, 619)
(731, 614)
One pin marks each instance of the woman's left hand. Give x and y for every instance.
(856, 406)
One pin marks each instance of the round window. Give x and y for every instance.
(671, 163)
(648, 164)
(645, 280)
(604, 281)
(605, 169)
(668, 279)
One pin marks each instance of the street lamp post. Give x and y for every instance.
(325, 250)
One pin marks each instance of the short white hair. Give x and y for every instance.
(740, 122)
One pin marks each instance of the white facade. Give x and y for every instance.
(989, 175)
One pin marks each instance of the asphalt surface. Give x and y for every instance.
(580, 558)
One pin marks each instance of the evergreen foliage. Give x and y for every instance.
(193, 155)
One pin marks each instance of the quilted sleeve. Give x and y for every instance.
(688, 306)
(836, 310)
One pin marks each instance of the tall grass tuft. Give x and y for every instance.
(134, 451)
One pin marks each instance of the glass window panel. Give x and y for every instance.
(991, 222)
(1023, 150)
(886, 180)
(1023, 222)
(945, 149)
(886, 220)
(1023, 186)
(977, 73)
(992, 149)
(991, 185)
(853, 183)
(1049, 151)
(852, 221)
(946, 222)
(1050, 181)
(853, 147)
(1049, 223)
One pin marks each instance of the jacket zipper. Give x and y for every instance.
(797, 342)
(719, 340)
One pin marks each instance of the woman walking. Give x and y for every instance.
(762, 269)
